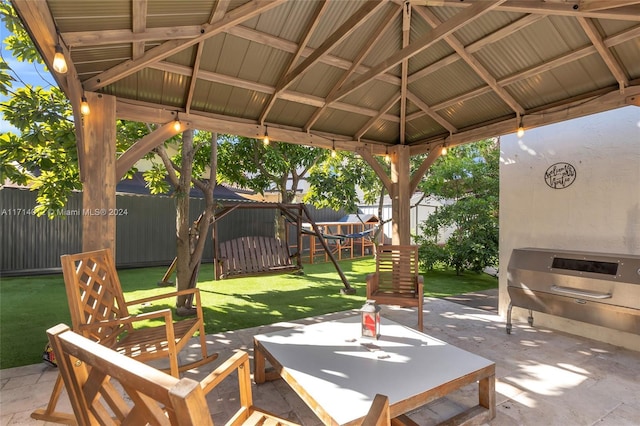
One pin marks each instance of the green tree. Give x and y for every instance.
(278, 166)
(467, 179)
(342, 180)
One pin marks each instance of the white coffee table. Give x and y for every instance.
(328, 365)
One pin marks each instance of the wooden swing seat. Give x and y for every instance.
(254, 255)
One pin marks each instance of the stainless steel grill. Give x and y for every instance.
(597, 288)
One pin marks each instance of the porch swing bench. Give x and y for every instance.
(254, 255)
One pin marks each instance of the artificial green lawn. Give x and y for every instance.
(30, 305)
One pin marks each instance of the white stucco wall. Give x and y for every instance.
(599, 211)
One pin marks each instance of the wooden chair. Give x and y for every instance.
(100, 313)
(397, 280)
(108, 388)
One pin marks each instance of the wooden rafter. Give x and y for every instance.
(593, 5)
(368, 47)
(592, 32)
(625, 10)
(431, 113)
(166, 49)
(138, 25)
(391, 102)
(535, 70)
(428, 39)
(472, 62)
(406, 32)
(320, 9)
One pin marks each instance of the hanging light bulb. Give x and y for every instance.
(176, 124)
(84, 106)
(266, 139)
(333, 149)
(520, 131)
(386, 155)
(59, 62)
(444, 150)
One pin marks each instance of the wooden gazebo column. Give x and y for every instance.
(401, 195)
(98, 159)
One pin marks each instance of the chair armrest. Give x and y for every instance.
(226, 368)
(165, 296)
(162, 313)
(372, 284)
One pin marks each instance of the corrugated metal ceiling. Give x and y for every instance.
(518, 58)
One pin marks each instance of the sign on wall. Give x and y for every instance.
(560, 175)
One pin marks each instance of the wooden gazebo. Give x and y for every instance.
(393, 77)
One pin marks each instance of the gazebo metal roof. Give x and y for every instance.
(350, 74)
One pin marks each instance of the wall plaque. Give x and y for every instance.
(560, 175)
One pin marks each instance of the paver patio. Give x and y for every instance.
(542, 376)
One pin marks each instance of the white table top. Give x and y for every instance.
(328, 360)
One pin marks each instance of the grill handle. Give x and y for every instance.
(580, 293)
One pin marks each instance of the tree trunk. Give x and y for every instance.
(184, 271)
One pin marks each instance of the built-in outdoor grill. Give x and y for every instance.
(597, 288)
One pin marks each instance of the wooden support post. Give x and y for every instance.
(401, 195)
(98, 156)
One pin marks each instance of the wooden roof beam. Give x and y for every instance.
(610, 61)
(471, 61)
(166, 49)
(427, 40)
(369, 45)
(406, 32)
(391, 102)
(138, 25)
(625, 10)
(312, 24)
(345, 30)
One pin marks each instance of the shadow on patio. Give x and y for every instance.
(542, 376)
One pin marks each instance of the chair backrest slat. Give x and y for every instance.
(397, 268)
(94, 293)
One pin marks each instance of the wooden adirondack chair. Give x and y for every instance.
(397, 280)
(100, 313)
(108, 388)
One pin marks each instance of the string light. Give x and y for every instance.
(443, 151)
(333, 149)
(386, 155)
(520, 131)
(266, 139)
(84, 106)
(176, 124)
(59, 61)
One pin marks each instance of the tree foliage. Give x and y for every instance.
(279, 166)
(467, 179)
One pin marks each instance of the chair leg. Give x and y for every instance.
(50, 414)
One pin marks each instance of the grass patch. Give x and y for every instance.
(30, 305)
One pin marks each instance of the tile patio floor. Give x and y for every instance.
(543, 377)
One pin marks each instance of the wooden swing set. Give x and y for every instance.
(260, 255)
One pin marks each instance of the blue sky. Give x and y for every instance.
(34, 74)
